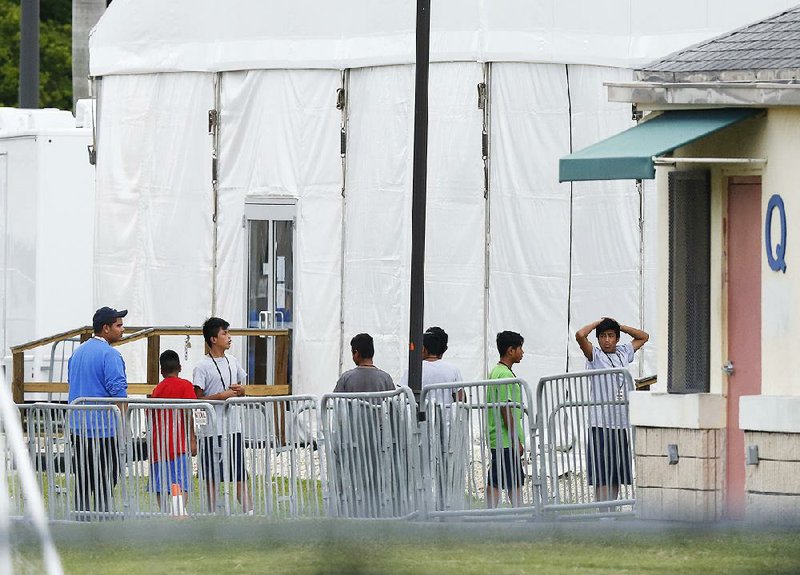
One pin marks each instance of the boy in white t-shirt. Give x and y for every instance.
(448, 422)
(607, 452)
(219, 376)
(435, 369)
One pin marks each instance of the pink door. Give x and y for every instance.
(744, 249)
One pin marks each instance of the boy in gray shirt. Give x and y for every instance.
(219, 376)
(608, 454)
(365, 377)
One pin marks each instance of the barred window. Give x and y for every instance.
(689, 281)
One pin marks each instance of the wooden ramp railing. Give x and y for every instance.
(153, 335)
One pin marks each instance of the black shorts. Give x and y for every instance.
(512, 474)
(608, 457)
(212, 468)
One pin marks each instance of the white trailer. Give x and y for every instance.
(46, 244)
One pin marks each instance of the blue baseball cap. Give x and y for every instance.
(105, 316)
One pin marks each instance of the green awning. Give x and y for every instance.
(629, 154)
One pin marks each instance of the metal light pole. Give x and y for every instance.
(29, 54)
(85, 14)
(418, 199)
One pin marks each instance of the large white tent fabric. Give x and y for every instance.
(455, 297)
(605, 219)
(279, 137)
(153, 234)
(145, 36)
(377, 211)
(529, 224)
(528, 254)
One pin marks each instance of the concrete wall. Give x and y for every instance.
(773, 484)
(772, 438)
(689, 489)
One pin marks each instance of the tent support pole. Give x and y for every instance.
(418, 197)
(341, 104)
(213, 128)
(640, 192)
(486, 149)
(571, 222)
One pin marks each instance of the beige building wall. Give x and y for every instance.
(691, 488)
(775, 137)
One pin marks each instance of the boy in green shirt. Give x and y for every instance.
(506, 470)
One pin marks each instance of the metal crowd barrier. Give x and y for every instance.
(471, 473)
(158, 468)
(372, 454)
(162, 455)
(586, 443)
(18, 484)
(76, 452)
(346, 455)
(274, 442)
(251, 456)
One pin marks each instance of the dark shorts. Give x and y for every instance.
(608, 457)
(212, 468)
(512, 474)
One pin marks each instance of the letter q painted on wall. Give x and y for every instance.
(776, 252)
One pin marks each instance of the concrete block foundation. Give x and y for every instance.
(689, 489)
(773, 483)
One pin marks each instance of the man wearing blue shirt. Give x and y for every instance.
(96, 369)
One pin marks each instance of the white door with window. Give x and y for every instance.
(270, 228)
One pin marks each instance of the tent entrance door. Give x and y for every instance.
(270, 225)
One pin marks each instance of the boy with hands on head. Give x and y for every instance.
(607, 452)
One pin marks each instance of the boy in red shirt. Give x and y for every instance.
(169, 464)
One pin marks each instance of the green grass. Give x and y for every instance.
(345, 546)
(307, 492)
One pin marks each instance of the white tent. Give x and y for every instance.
(508, 247)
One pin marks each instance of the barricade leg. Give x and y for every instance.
(107, 474)
(82, 472)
